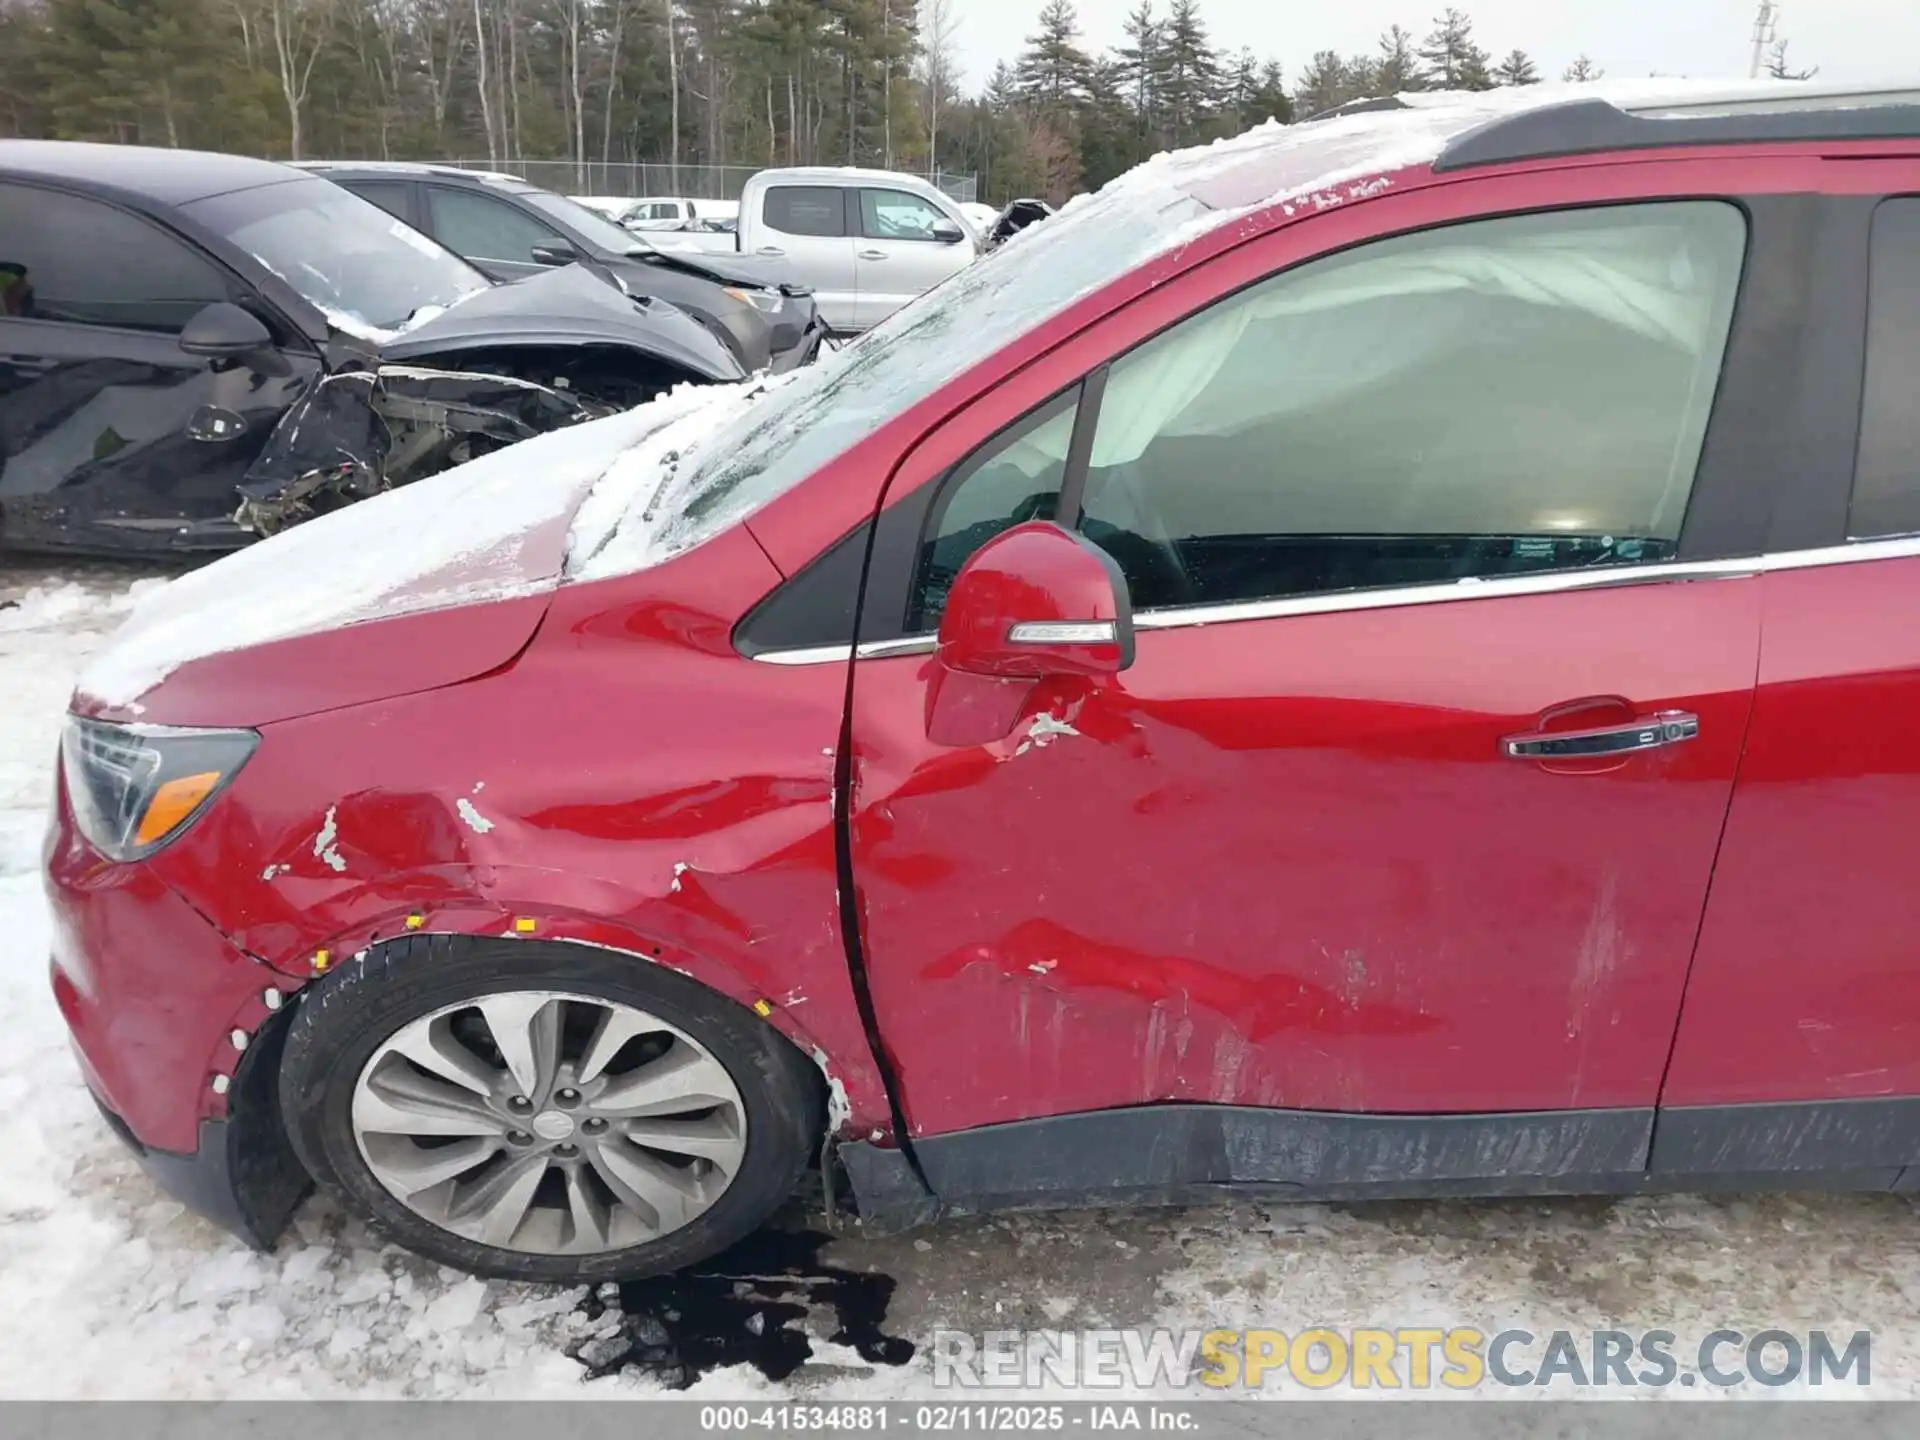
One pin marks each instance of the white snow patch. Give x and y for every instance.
(273, 870)
(623, 526)
(323, 846)
(839, 1108)
(680, 868)
(471, 817)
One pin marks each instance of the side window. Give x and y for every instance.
(389, 195)
(806, 210)
(64, 257)
(1886, 478)
(483, 228)
(896, 215)
(1492, 398)
(1013, 478)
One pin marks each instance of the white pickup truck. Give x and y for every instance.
(867, 241)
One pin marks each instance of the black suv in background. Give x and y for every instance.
(510, 230)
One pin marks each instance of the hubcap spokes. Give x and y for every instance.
(549, 1123)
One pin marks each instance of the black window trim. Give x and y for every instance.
(1771, 487)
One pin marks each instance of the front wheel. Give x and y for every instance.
(545, 1112)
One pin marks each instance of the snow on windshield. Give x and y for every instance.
(788, 434)
(1169, 201)
(492, 529)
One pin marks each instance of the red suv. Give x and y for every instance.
(1378, 658)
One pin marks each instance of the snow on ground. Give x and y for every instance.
(107, 1288)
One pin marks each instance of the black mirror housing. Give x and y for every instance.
(555, 252)
(948, 233)
(224, 331)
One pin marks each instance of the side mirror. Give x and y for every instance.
(555, 252)
(948, 233)
(1036, 603)
(223, 331)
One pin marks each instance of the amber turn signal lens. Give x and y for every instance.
(172, 803)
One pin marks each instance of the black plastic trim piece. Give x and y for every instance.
(1770, 432)
(1588, 127)
(1203, 1154)
(1813, 437)
(1152, 1150)
(1073, 483)
(814, 608)
(1803, 1135)
(889, 1192)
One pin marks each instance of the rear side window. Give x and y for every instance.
(65, 257)
(807, 210)
(483, 228)
(389, 195)
(1886, 478)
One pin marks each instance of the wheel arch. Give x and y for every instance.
(853, 1095)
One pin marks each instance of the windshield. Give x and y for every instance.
(343, 254)
(1172, 199)
(591, 226)
(831, 405)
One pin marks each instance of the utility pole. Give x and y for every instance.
(1765, 24)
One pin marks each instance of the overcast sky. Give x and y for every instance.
(1847, 39)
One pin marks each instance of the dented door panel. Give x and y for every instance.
(1286, 863)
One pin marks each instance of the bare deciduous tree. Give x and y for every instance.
(299, 29)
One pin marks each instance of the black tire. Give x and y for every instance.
(344, 1018)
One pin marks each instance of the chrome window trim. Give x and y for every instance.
(1472, 588)
(1858, 552)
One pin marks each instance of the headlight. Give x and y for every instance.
(134, 787)
(768, 300)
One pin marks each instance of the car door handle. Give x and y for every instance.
(1669, 727)
(873, 254)
(770, 250)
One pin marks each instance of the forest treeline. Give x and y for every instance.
(695, 82)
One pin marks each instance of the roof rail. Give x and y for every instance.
(1582, 127)
(1368, 105)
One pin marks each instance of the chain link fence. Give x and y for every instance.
(631, 181)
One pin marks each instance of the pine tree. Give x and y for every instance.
(1517, 69)
(1110, 139)
(1398, 68)
(1581, 71)
(1140, 62)
(1270, 99)
(1190, 81)
(1324, 85)
(1053, 69)
(136, 71)
(1454, 62)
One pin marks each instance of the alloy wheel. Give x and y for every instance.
(549, 1123)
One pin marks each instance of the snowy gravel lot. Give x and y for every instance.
(109, 1289)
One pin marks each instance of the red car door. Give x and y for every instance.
(1799, 1046)
(1396, 523)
